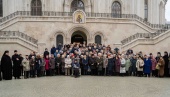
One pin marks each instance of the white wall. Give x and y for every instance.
(97, 6)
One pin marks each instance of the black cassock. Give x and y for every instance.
(16, 65)
(0, 72)
(6, 67)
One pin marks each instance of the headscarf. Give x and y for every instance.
(5, 53)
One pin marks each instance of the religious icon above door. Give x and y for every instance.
(79, 17)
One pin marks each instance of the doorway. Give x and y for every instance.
(78, 37)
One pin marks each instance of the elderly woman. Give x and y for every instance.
(52, 65)
(139, 66)
(161, 64)
(122, 66)
(147, 66)
(117, 65)
(105, 63)
(58, 62)
(68, 62)
(154, 62)
(26, 67)
(127, 65)
(47, 65)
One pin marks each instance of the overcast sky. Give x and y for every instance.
(168, 10)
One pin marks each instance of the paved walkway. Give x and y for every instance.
(86, 86)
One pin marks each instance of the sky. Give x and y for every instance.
(168, 10)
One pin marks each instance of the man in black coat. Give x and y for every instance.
(0, 71)
(166, 59)
(6, 66)
(16, 65)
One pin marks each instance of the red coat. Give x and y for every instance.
(47, 64)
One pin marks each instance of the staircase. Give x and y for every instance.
(144, 38)
(16, 37)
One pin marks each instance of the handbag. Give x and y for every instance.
(140, 65)
(69, 66)
(157, 66)
(122, 65)
(89, 69)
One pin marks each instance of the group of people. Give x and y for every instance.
(82, 59)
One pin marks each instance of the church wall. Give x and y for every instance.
(96, 6)
(46, 32)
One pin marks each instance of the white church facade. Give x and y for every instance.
(33, 25)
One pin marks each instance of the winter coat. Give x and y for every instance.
(26, 65)
(122, 69)
(32, 64)
(52, 63)
(133, 64)
(110, 64)
(117, 65)
(38, 63)
(92, 63)
(147, 66)
(127, 64)
(47, 65)
(154, 62)
(99, 62)
(161, 70)
(105, 62)
(68, 62)
(85, 63)
(58, 62)
(139, 63)
(42, 66)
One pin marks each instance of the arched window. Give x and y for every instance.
(36, 8)
(98, 39)
(77, 4)
(116, 9)
(59, 40)
(146, 10)
(1, 8)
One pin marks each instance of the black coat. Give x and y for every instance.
(92, 63)
(111, 64)
(16, 65)
(166, 69)
(46, 53)
(6, 67)
(58, 60)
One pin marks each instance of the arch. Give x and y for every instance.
(87, 5)
(78, 28)
(103, 38)
(78, 36)
(1, 8)
(98, 39)
(77, 5)
(59, 39)
(116, 9)
(54, 35)
(36, 8)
